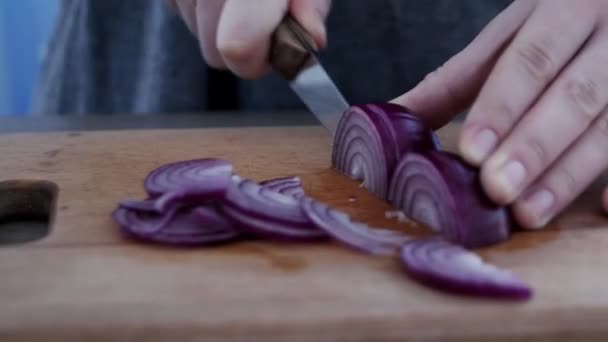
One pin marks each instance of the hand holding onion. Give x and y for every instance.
(236, 34)
(536, 82)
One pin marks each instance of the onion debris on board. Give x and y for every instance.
(393, 154)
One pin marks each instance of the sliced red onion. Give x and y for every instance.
(180, 228)
(441, 191)
(370, 140)
(356, 235)
(137, 205)
(200, 194)
(144, 222)
(201, 175)
(272, 229)
(257, 201)
(443, 265)
(289, 186)
(212, 216)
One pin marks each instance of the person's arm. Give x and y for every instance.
(236, 34)
(537, 83)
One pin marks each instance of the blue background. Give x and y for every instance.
(25, 27)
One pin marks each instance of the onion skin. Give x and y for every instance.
(440, 264)
(371, 139)
(440, 190)
(409, 131)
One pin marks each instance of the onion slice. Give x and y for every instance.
(289, 186)
(370, 140)
(146, 205)
(374, 241)
(142, 222)
(190, 174)
(212, 216)
(271, 229)
(441, 264)
(179, 228)
(263, 203)
(441, 191)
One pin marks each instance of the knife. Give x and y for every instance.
(293, 56)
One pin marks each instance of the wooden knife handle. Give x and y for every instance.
(290, 48)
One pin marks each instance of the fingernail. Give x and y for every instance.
(511, 177)
(540, 202)
(481, 145)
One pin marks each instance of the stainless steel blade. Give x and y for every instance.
(320, 94)
(293, 57)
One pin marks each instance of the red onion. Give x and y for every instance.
(356, 235)
(146, 205)
(441, 191)
(193, 180)
(261, 202)
(438, 263)
(370, 140)
(271, 229)
(290, 186)
(211, 215)
(180, 228)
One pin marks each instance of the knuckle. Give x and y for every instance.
(584, 95)
(537, 59)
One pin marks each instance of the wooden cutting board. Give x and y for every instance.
(85, 282)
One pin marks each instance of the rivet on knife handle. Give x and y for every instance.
(291, 48)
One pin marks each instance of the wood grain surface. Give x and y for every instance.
(85, 281)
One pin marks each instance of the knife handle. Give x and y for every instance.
(291, 48)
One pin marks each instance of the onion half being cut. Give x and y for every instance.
(440, 190)
(370, 140)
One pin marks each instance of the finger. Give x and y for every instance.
(311, 14)
(186, 9)
(568, 107)
(208, 14)
(547, 41)
(452, 88)
(574, 172)
(244, 34)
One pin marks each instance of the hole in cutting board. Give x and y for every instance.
(26, 210)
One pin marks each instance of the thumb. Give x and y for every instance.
(453, 87)
(311, 14)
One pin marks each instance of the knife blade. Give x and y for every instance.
(293, 56)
